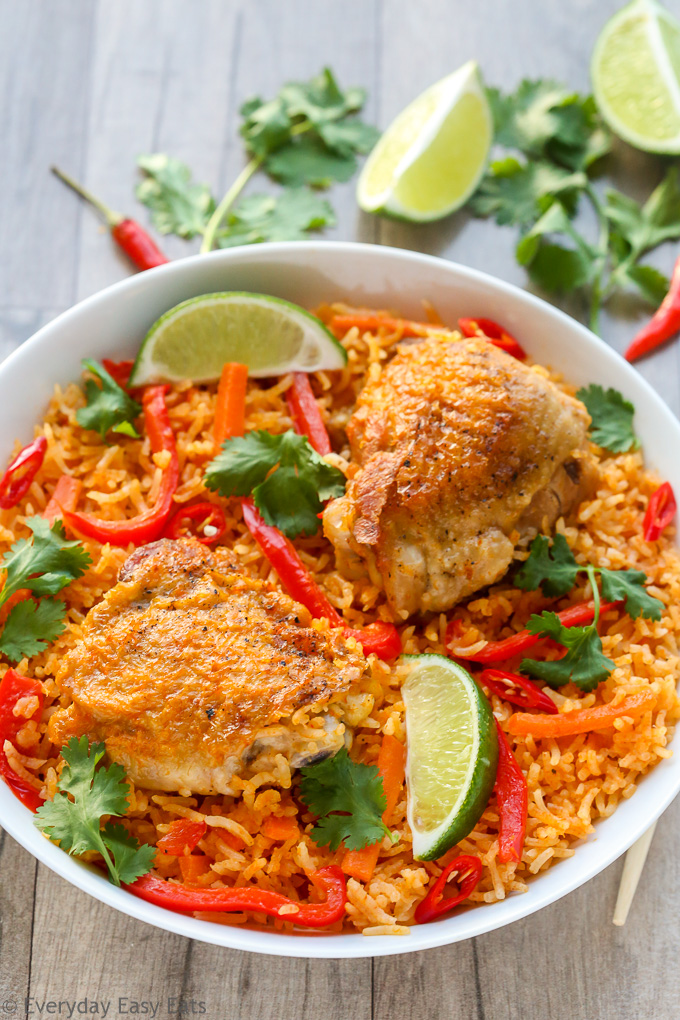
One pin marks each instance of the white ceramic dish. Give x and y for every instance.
(112, 324)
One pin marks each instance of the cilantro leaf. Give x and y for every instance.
(178, 205)
(306, 160)
(612, 418)
(584, 663)
(645, 227)
(629, 586)
(321, 99)
(551, 265)
(339, 784)
(44, 564)
(285, 475)
(266, 125)
(29, 627)
(108, 405)
(265, 218)
(514, 192)
(553, 569)
(84, 794)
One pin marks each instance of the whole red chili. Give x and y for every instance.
(660, 512)
(493, 332)
(204, 521)
(664, 324)
(17, 479)
(128, 234)
(513, 802)
(517, 690)
(468, 871)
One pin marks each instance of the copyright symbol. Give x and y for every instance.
(9, 1006)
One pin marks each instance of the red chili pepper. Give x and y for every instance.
(13, 687)
(119, 370)
(517, 690)
(182, 837)
(194, 521)
(305, 413)
(262, 901)
(499, 651)
(147, 526)
(496, 334)
(513, 802)
(128, 234)
(468, 872)
(379, 638)
(17, 479)
(664, 324)
(660, 512)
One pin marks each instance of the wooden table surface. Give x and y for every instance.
(90, 85)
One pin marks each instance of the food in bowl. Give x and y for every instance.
(273, 791)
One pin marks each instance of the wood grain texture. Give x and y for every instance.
(92, 85)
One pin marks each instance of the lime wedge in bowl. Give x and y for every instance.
(636, 76)
(452, 753)
(432, 156)
(197, 337)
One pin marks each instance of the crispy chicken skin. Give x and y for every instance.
(189, 668)
(458, 445)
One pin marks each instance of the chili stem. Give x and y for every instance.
(112, 218)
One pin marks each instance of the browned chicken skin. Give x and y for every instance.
(458, 444)
(189, 669)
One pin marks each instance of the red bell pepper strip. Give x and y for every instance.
(496, 334)
(64, 497)
(204, 521)
(513, 802)
(468, 871)
(13, 687)
(660, 512)
(262, 901)
(664, 324)
(230, 406)
(119, 370)
(517, 690)
(305, 413)
(17, 479)
(584, 720)
(499, 651)
(147, 526)
(182, 837)
(379, 638)
(127, 233)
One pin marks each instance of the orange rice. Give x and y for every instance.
(572, 781)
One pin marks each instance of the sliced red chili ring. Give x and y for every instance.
(660, 512)
(516, 690)
(469, 872)
(17, 479)
(204, 521)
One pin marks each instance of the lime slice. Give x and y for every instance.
(452, 753)
(195, 339)
(636, 76)
(430, 159)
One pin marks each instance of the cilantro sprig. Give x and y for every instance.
(286, 477)
(44, 564)
(85, 793)
(349, 800)
(108, 406)
(307, 136)
(612, 418)
(553, 139)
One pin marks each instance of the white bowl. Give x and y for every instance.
(113, 323)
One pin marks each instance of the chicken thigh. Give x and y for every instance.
(459, 447)
(189, 669)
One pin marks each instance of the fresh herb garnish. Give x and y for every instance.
(584, 664)
(348, 799)
(612, 414)
(108, 406)
(85, 793)
(553, 139)
(287, 478)
(44, 564)
(309, 135)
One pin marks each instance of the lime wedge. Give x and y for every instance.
(636, 76)
(430, 159)
(452, 753)
(270, 336)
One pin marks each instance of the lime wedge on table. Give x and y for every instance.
(636, 76)
(430, 159)
(269, 335)
(452, 753)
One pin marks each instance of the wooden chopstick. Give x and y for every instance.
(632, 869)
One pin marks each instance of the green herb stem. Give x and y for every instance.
(597, 293)
(225, 205)
(590, 570)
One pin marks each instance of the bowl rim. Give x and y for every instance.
(317, 945)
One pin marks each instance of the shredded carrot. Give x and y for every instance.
(64, 497)
(194, 867)
(367, 321)
(360, 864)
(230, 409)
(281, 829)
(523, 724)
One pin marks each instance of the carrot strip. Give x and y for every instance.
(64, 497)
(230, 409)
(360, 864)
(367, 321)
(281, 829)
(523, 724)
